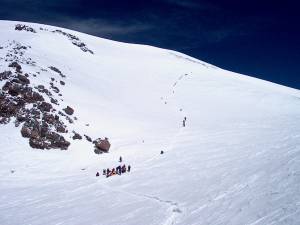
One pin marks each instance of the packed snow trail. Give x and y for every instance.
(235, 162)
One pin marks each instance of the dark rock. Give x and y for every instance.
(23, 79)
(38, 143)
(4, 120)
(69, 110)
(5, 75)
(58, 141)
(57, 71)
(31, 96)
(62, 83)
(16, 66)
(61, 129)
(14, 89)
(54, 101)
(42, 89)
(25, 131)
(55, 89)
(49, 118)
(102, 145)
(21, 27)
(45, 107)
(88, 138)
(76, 136)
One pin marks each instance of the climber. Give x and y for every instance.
(162, 152)
(97, 174)
(124, 168)
(119, 170)
(104, 171)
(107, 172)
(120, 160)
(129, 168)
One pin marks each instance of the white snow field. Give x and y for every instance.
(237, 160)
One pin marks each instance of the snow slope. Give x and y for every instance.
(237, 161)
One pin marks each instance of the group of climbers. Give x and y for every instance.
(115, 171)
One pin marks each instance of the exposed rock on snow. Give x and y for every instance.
(101, 145)
(21, 27)
(76, 136)
(57, 71)
(69, 110)
(75, 41)
(19, 101)
(88, 138)
(16, 66)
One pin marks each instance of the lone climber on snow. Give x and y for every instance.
(183, 122)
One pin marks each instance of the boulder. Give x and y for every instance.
(76, 136)
(69, 110)
(23, 79)
(45, 107)
(25, 131)
(102, 145)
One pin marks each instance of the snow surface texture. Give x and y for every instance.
(237, 160)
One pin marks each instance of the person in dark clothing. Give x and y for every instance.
(120, 160)
(183, 123)
(107, 172)
(162, 152)
(97, 174)
(129, 168)
(124, 168)
(104, 171)
(119, 170)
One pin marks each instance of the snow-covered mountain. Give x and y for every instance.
(236, 160)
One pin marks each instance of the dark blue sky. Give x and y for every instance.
(257, 38)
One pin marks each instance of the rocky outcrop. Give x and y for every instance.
(57, 71)
(21, 27)
(41, 137)
(75, 41)
(20, 102)
(32, 106)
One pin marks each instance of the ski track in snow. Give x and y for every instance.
(173, 208)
